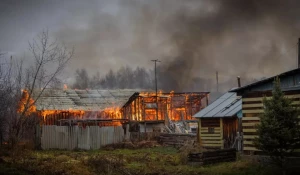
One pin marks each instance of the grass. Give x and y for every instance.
(157, 160)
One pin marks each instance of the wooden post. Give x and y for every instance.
(221, 133)
(143, 108)
(199, 132)
(135, 113)
(138, 112)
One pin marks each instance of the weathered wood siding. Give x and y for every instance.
(211, 133)
(252, 110)
(74, 137)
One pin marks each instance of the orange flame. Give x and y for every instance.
(166, 105)
(65, 87)
(23, 103)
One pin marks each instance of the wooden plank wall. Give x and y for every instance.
(252, 110)
(74, 137)
(209, 139)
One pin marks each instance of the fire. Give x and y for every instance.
(174, 106)
(113, 113)
(159, 93)
(52, 117)
(23, 104)
(65, 87)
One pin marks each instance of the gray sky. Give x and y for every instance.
(247, 38)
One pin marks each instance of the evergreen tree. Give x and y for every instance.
(279, 130)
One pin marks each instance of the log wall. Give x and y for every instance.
(211, 133)
(252, 110)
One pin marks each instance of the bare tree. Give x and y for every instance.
(49, 58)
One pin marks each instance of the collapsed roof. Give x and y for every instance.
(86, 100)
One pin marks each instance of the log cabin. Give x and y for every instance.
(252, 103)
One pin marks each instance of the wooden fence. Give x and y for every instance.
(74, 137)
(211, 157)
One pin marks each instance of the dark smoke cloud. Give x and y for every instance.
(247, 38)
(192, 38)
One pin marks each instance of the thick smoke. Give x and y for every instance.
(247, 38)
(192, 38)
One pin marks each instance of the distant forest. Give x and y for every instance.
(124, 78)
(141, 78)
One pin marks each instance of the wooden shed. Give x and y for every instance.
(218, 122)
(252, 106)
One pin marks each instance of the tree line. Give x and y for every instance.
(124, 78)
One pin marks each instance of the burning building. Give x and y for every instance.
(114, 107)
(67, 106)
(163, 110)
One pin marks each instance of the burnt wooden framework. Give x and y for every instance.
(173, 106)
(252, 106)
(218, 133)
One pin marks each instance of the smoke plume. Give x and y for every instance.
(192, 38)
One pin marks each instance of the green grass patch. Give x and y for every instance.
(156, 160)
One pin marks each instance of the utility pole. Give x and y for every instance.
(155, 74)
(217, 77)
(155, 61)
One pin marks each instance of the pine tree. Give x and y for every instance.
(279, 129)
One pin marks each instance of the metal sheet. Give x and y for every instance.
(82, 99)
(72, 137)
(225, 106)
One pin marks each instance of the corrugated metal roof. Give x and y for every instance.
(88, 100)
(227, 105)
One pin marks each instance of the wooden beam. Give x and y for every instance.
(210, 138)
(250, 136)
(250, 124)
(261, 98)
(250, 149)
(250, 130)
(248, 142)
(215, 128)
(199, 132)
(253, 111)
(252, 105)
(210, 135)
(221, 128)
(214, 145)
(250, 118)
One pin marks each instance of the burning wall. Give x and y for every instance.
(55, 106)
(146, 106)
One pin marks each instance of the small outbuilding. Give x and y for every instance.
(219, 122)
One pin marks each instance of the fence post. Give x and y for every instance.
(37, 139)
